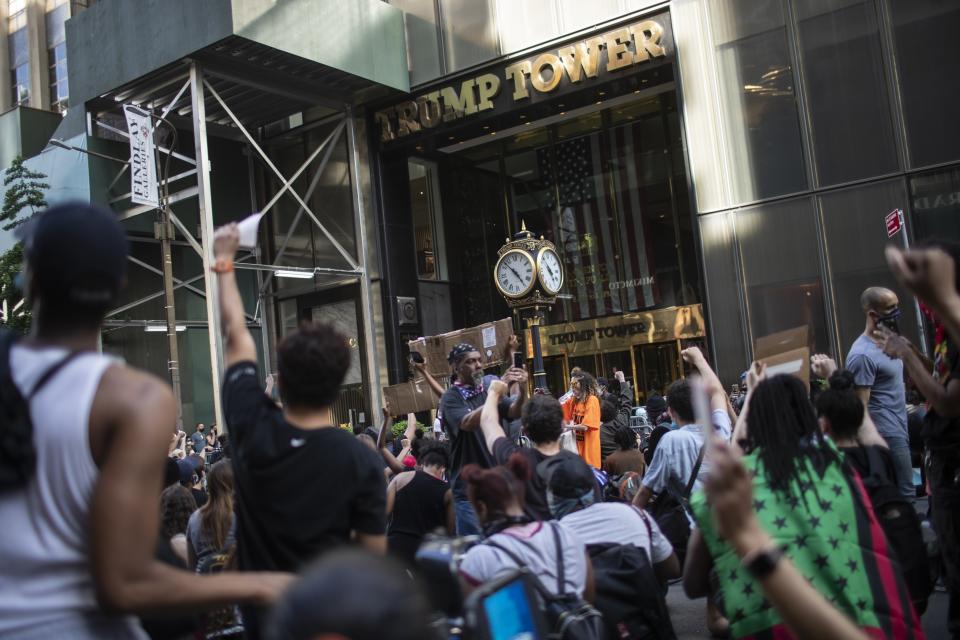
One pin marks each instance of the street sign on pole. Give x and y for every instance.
(894, 221)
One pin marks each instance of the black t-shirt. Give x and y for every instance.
(535, 501)
(468, 447)
(299, 491)
(859, 459)
(938, 432)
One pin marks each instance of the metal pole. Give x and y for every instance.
(374, 393)
(916, 301)
(205, 202)
(165, 232)
(539, 373)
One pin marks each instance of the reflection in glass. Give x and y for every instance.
(723, 295)
(935, 197)
(927, 50)
(424, 205)
(757, 98)
(843, 68)
(469, 32)
(778, 245)
(858, 213)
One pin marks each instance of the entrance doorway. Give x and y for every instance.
(658, 365)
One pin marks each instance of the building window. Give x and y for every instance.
(427, 220)
(843, 64)
(926, 49)
(19, 66)
(58, 11)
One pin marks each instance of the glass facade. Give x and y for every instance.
(58, 11)
(827, 110)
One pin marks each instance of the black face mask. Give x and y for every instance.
(890, 321)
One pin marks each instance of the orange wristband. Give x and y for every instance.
(222, 265)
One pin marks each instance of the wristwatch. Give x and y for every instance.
(222, 265)
(761, 564)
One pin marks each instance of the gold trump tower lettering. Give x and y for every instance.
(606, 53)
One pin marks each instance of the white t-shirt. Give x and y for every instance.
(618, 523)
(534, 544)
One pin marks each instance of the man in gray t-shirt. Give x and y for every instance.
(879, 380)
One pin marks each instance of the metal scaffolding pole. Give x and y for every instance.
(205, 202)
(375, 394)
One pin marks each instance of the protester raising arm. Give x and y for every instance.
(930, 274)
(130, 421)
(944, 399)
(823, 366)
(421, 368)
(238, 343)
(717, 396)
(803, 609)
(490, 414)
(471, 421)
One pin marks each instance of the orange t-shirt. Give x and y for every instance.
(587, 414)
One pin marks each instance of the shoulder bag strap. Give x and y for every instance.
(510, 554)
(646, 521)
(561, 578)
(696, 472)
(50, 372)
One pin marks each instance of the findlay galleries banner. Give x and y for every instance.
(620, 332)
(143, 166)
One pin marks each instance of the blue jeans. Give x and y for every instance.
(903, 465)
(467, 522)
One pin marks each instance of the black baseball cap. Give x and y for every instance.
(77, 253)
(567, 476)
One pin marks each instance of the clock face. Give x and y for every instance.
(551, 270)
(514, 273)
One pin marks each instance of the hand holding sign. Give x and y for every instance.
(248, 230)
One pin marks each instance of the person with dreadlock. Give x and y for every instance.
(817, 514)
(460, 408)
(581, 412)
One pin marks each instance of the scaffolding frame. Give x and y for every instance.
(195, 86)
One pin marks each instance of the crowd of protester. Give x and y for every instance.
(789, 507)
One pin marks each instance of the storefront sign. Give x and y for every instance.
(616, 333)
(598, 57)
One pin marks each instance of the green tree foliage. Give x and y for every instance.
(24, 192)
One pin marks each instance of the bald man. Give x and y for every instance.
(879, 380)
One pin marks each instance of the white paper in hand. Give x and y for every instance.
(248, 230)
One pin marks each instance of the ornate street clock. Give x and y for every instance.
(529, 275)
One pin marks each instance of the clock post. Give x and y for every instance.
(529, 275)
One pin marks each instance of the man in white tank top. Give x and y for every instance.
(77, 554)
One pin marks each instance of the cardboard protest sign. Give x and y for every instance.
(785, 352)
(412, 396)
(489, 338)
(795, 362)
(781, 342)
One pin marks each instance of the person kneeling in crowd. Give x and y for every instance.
(515, 541)
(543, 425)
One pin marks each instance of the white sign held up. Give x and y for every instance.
(143, 166)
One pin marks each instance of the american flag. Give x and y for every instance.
(583, 224)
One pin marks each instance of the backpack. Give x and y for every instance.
(628, 593)
(18, 458)
(901, 525)
(622, 488)
(569, 617)
(671, 513)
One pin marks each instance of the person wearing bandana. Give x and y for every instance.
(879, 380)
(460, 408)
